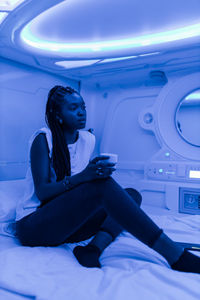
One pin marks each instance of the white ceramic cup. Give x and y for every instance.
(113, 158)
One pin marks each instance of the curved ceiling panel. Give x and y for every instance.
(92, 29)
(76, 21)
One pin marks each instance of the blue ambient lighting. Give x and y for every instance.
(67, 64)
(147, 54)
(145, 40)
(107, 60)
(160, 170)
(193, 96)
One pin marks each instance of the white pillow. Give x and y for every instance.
(10, 192)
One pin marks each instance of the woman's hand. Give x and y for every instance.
(98, 168)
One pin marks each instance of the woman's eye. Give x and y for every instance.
(73, 107)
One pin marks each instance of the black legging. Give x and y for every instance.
(79, 213)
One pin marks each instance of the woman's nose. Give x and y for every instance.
(81, 112)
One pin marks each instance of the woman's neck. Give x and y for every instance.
(71, 136)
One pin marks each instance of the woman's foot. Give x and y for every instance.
(178, 258)
(88, 256)
(187, 262)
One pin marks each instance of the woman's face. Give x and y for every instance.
(73, 112)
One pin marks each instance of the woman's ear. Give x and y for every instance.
(59, 119)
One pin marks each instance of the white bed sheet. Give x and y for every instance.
(130, 270)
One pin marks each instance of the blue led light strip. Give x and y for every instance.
(193, 96)
(141, 41)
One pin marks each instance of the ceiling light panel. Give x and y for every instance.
(147, 54)
(108, 60)
(75, 64)
(66, 31)
(110, 46)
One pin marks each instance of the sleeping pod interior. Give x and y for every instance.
(137, 66)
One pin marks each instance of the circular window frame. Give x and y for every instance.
(165, 112)
(175, 120)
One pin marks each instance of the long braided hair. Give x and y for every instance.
(60, 155)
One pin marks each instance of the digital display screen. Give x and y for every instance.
(194, 174)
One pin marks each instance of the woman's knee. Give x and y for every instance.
(135, 195)
(104, 185)
(110, 186)
(98, 187)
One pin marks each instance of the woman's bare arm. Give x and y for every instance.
(40, 167)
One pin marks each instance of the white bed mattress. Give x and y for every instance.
(130, 270)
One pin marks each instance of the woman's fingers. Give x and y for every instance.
(99, 167)
(98, 158)
(103, 173)
(106, 164)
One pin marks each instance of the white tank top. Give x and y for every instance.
(80, 154)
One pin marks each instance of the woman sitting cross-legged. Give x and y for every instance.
(72, 198)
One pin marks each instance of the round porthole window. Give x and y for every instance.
(187, 118)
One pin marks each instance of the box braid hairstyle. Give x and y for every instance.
(60, 155)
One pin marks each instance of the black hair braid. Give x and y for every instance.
(60, 155)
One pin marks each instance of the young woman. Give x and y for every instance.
(71, 198)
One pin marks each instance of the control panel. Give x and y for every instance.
(189, 200)
(173, 171)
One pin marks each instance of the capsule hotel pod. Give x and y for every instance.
(100, 149)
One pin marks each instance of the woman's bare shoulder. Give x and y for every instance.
(40, 143)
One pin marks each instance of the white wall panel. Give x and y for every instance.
(114, 116)
(23, 95)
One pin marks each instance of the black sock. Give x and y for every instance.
(187, 262)
(170, 250)
(88, 256)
